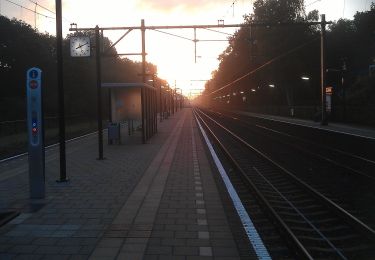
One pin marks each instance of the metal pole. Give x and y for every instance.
(251, 46)
(156, 111)
(110, 141)
(152, 111)
(99, 92)
(203, 26)
(36, 4)
(323, 70)
(195, 45)
(109, 89)
(60, 85)
(143, 30)
(343, 70)
(149, 103)
(110, 117)
(160, 104)
(168, 100)
(175, 99)
(110, 105)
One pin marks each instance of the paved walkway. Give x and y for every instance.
(153, 201)
(363, 131)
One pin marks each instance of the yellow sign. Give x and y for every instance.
(329, 90)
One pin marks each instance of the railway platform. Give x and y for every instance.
(160, 200)
(360, 131)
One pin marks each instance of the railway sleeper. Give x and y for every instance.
(359, 252)
(304, 208)
(294, 222)
(334, 229)
(344, 237)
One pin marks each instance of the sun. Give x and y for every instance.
(172, 51)
(177, 64)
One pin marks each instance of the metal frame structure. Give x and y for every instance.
(143, 28)
(60, 86)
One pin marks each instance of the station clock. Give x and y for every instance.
(80, 46)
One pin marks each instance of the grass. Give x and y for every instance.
(14, 144)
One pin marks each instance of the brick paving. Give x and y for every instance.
(153, 201)
(73, 217)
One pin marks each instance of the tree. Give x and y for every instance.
(22, 47)
(284, 54)
(251, 48)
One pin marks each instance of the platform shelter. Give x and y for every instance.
(134, 103)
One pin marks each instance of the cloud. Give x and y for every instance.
(176, 5)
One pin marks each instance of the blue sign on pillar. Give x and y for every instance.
(35, 133)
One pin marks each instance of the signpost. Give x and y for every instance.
(329, 93)
(35, 133)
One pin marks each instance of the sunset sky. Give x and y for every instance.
(173, 56)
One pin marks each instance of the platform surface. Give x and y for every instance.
(153, 201)
(362, 131)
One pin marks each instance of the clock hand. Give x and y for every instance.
(80, 46)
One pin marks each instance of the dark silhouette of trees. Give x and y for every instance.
(292, 52)
(22, 47)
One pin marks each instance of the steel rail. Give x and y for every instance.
(283, 227)
(318, 128)
(350, 219)
(350, 169)
(329, 149)
(343, 132)
(308, 221)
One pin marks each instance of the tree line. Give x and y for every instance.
(22, 47)
(272, 69)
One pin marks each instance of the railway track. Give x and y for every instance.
(313, 225)
(342, 175)
(357, 157)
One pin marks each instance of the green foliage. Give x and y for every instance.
(22, 47)
(280, 55)
(279, 11)
(353, 42)
(252, 47)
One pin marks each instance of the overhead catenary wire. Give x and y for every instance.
(47, 9)
(230, 8)
(313, 2)
(265, 64)
(28, 9)
(41, 6)
(192, 40)
(174, 35)
(230, 34)
(34, 11)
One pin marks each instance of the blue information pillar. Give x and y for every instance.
(35, 133)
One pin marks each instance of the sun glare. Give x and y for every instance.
(174, 56)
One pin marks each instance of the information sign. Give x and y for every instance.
(35, 133)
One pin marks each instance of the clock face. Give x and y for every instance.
(80, 46)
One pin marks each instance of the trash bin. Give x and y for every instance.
(114, 133)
